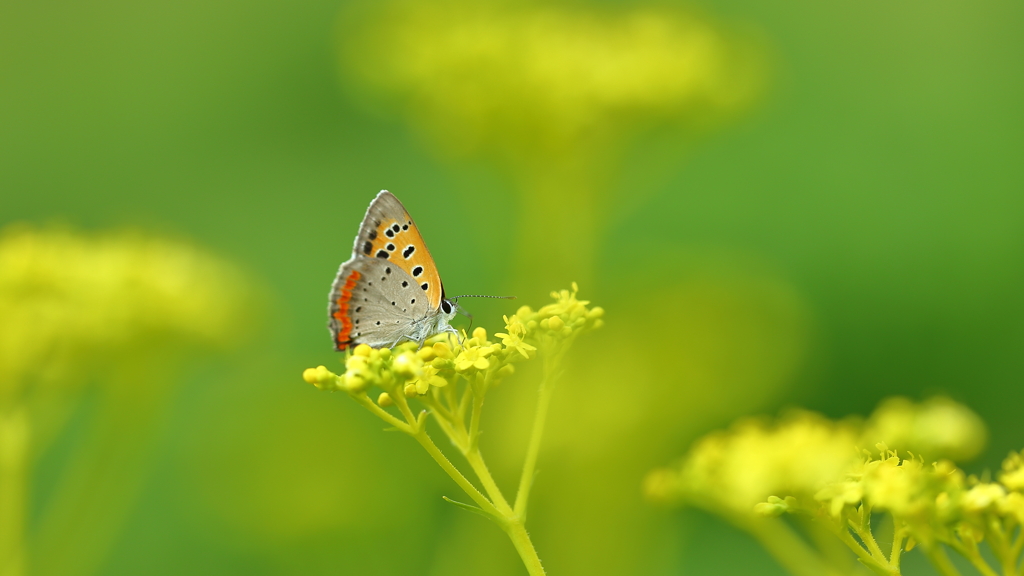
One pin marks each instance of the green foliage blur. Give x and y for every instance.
(833, 216)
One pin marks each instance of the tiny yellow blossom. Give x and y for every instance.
(385, 399)
(513, 339)
(473, 358)
(1012, 475)
(983, 497)
(407, 364)
(429, 378)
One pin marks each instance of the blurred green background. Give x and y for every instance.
(852, 227)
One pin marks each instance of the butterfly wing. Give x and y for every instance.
(375, 302)
(389, 233)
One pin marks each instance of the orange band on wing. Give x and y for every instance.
(341, 315)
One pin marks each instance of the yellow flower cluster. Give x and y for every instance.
(803, 451)
(932, 503)
(412, 371)
(517, 75)
(450, 379)
(807, 464)
(70, 302)
(756, 458)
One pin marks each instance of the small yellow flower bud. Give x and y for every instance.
(595, 313)
(385, 399)
(309, 375)
(356, 363)
(362, 350)
(406, 364)
(555, 323)
(439, 363)
(479, 333)
(355, 382)
(385, 353)
(427, 353)
(410, 390)
(768, 510)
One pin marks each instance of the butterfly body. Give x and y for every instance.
(389, 290)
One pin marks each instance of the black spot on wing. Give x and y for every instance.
(408, 251)
(395, 228)
(417, 271)
(405, 284)
(389, 233)
(373, 235)
(383, 254)
(424, 286)
(390, 247)
(368, 247)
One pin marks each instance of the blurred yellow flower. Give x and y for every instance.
(70, 302)
(805, 464)
(936, 428)
(111, 309)
(532, 77)
(755, 459)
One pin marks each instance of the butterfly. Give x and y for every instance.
(390, 289)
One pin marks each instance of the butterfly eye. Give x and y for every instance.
(446, 307)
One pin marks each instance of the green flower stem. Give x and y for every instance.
(444, 420)
(899, 535)
(1000, 545)
(14, 437)
(476, 461)
(940, 560)
(433, 402)
(381, 413)
(788, 549)
(521, 540)
(461, 480)
(863, 532)
(512, 523)
(878, 567)
(533, 448)
(463, 405)
(1015, 550)
(970, 551)
(474, 421)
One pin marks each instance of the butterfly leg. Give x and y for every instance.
(458, 336)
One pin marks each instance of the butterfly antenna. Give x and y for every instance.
(465, 313)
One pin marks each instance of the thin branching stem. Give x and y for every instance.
(937, 555)
(968, 549)
(899, 535)
(536, 434)
(381, 413)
